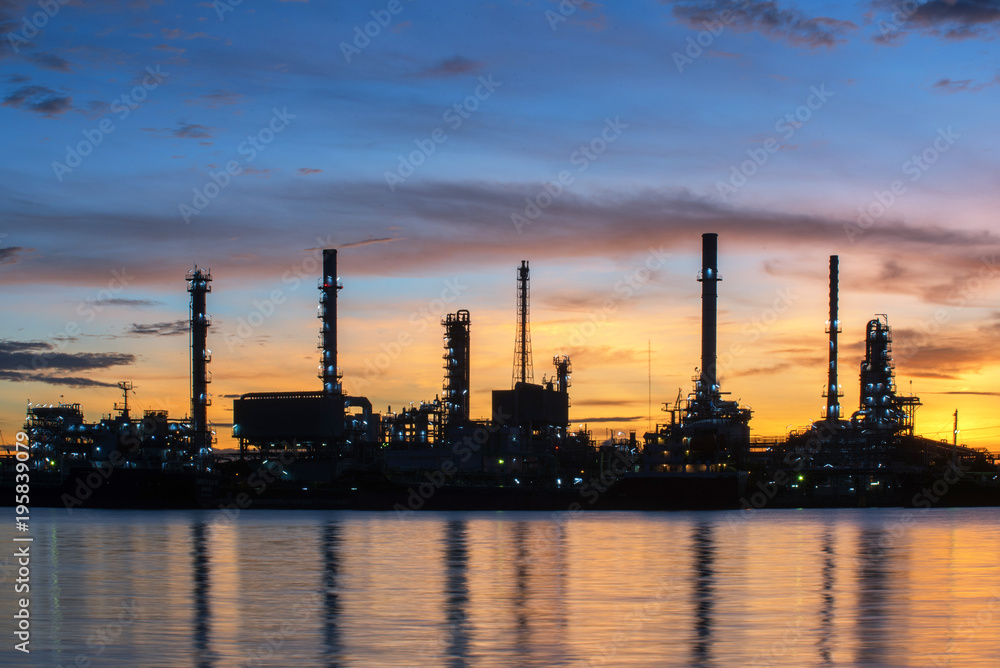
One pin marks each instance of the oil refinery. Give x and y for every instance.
(325, 448)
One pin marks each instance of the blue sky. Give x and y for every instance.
(349, 111)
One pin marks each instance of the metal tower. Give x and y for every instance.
(833, 391)
(198, 285)
(708, 382)
(878, 388)
(456, 375)
(125, 386)
(522, 344)
(329, 285)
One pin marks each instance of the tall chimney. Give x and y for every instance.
(833, 327)
(198, 286)
(328, 286)
(709, 303)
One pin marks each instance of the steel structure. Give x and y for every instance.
(329, 286)
(199, 281)
(707, 388)
(457, 365)
(833, 391)
(522, 345)
(563, 370)
(878, 386)
(706, 432)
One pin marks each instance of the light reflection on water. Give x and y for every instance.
(776, 588)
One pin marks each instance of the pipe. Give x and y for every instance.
(709, 304)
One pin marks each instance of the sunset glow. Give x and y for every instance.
(439, 148)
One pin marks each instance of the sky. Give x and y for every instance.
(438, 144)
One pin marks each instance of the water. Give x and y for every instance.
(278, 588)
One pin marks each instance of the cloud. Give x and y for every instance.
(465, 222)
(127, 303)
(216, 99)
(948, 86)
(763, 370)
(70, 381)
(39, 99)
(305, 171)
(950, 19)
(192, 131)
(50, 62)
(21, 361)
(468, 225)
(891, 271)
(177, 33)
(366, 242)
(593, 356)
(9, 255)
(918, 354)
(451, 67)
(601, 420)
(603, 402)
(767, 18)
(159, 328)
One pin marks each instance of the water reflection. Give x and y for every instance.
(456, 593)
(826, 598)
(703, 555)
(201, 572)
(874, 566)
(331, 548)
(522, 588)
(538, 604)
(804, 588)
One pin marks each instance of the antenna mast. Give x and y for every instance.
(522, 345)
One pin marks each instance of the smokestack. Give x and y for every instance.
(198, 286)
(709, 303)
(328, 286)
(832, 387)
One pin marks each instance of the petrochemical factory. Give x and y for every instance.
(328, 449)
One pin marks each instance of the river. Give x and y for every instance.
(865, 587)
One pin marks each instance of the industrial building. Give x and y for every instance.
(344, 453)
(706, 433)
(874, 456)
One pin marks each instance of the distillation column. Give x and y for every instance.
(833, 391)
(708, 387)
(198, 286)
(563, 370)
(329, 285)
(457, 338)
